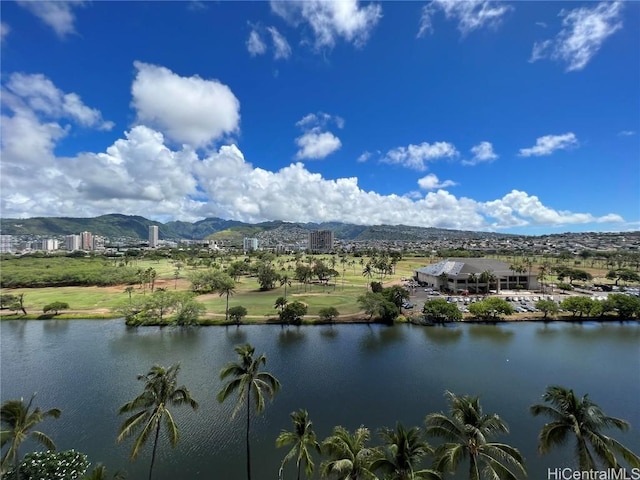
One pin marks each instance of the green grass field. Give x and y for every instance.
(101, 301)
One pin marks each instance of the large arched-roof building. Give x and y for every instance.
(470, 275)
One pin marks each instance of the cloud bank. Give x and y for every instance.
(146, 172)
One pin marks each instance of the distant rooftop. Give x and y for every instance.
(461, 266)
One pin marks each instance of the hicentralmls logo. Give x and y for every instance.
(608, 474)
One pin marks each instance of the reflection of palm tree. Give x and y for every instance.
(404, 452)
(349, 457)
(466, 432)
(303, 438)
(584, 419)
(18, 421)
(150, 406)
(247, 379)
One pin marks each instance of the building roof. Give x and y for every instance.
(465, 266)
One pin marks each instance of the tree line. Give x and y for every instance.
(465, 436)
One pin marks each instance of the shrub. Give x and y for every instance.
(66, 465)
(55, 307)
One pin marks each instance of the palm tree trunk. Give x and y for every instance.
(474, 474)
(155, 446)
(248, 444)
(226, 314)
(299, 465)
(16, 463)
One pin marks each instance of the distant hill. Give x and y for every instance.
(116, 226)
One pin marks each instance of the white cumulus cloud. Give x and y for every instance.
(316, 142)
(550, 143)
(470, 14)
(415, 156)
(41, 95)
(330, 21)
(520, 208)
(316, 145)
(431, 182)
(189, 110)
(482, 153)
(144, 173)
(584, 31)
(139, 174)
(59, 14)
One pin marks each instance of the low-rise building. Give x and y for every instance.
(474, 275)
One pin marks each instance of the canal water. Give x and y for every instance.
(348, 375)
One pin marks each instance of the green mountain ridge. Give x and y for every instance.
(117, 225)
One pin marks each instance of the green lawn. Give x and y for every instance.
(343, 296)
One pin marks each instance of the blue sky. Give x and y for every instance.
(518, 117)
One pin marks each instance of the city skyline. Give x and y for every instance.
(487, 116)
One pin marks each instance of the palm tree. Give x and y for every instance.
(247, 379)
(586, 420)
(286, 281)
(444, 279)
(129, 290)
(473, 278)
(404, 452)
(367, 271)
(100, 473)
(303, 438)
(227, 286)
(487, 277)
(18, 421)
(350, 458)
(467, 431)
(543, 272)
(150, 406)
(281, 302)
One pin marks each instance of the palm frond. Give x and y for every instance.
(44, 440)
(172, 428)
(131, 424)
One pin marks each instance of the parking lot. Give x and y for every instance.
(522, 302)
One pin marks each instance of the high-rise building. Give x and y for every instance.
(320, 241)
(249, 244)
(153, 236)
(49, 244)
(86, 241)
(7, 243)
(73, 242)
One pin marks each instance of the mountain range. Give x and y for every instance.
(114, 226)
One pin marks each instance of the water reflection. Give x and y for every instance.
(490, 332)
(235, 335)
(291, 336)
(330, 332)
(443, 334)
(56, 325)
(17, 327)
(376, 339)
(150, 338)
